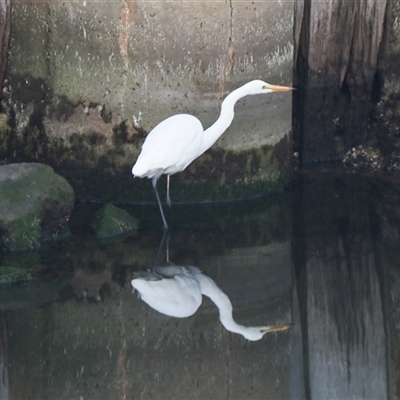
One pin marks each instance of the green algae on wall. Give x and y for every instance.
(216, 176)
(94, 149)
(97, 159)
(89, 80)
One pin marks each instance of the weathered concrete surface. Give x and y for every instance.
(90, 79)
(35, 204)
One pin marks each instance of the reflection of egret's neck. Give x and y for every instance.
(221, 300)
(177, 291)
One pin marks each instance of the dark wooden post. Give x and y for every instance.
(341, 340)
(338, 51)
(5, 27)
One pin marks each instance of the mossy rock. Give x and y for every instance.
(25, 288)
(32, 196)
(4, 133)
(112, 221)
(14, 275)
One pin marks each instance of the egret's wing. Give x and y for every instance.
(170, 271)
(178, 297)
(146, 275)
(170, 146)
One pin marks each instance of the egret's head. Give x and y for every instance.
(259, 87)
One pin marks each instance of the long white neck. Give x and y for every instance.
(221, 300)
(215, 131)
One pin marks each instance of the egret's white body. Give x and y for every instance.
(177, 291)
(170, 147)
(175, 142)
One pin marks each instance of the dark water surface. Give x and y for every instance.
(323, 256)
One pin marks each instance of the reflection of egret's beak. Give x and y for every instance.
(277, 328)
(276, 88)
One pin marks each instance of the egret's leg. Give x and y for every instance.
(153, 268)
(167, 249)
(154, 182)
(168, 198)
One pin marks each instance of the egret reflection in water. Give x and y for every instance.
(177, 291)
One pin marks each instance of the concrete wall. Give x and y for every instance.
(92, 78)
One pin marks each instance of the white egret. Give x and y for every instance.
(170, 290)
(178, 140)
(177, 291)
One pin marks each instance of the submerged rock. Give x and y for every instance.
(111, 221)
(35, 204)
(14, 275)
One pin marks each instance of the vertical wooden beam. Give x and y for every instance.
(340, 312)
(337, 49)
(5, 28)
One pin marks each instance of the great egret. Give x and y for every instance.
(178, 140)
(177, 291)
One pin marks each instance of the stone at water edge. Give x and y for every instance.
(32, 197)
(112, 221)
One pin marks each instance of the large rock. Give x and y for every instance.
(35, 204)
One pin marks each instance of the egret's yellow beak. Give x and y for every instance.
(276, 88)
(277, 328)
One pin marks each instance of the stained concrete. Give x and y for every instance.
(108, 72)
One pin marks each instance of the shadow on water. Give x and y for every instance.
(323, 256)
(344, 242)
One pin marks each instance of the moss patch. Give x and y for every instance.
(106, 115)
(14, 275)
(4, 132)
(215, 176)
(112, 221)
(22, 233)
(98, 163)
(64, 108)
(32, 196)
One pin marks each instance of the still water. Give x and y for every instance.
(322, 256)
